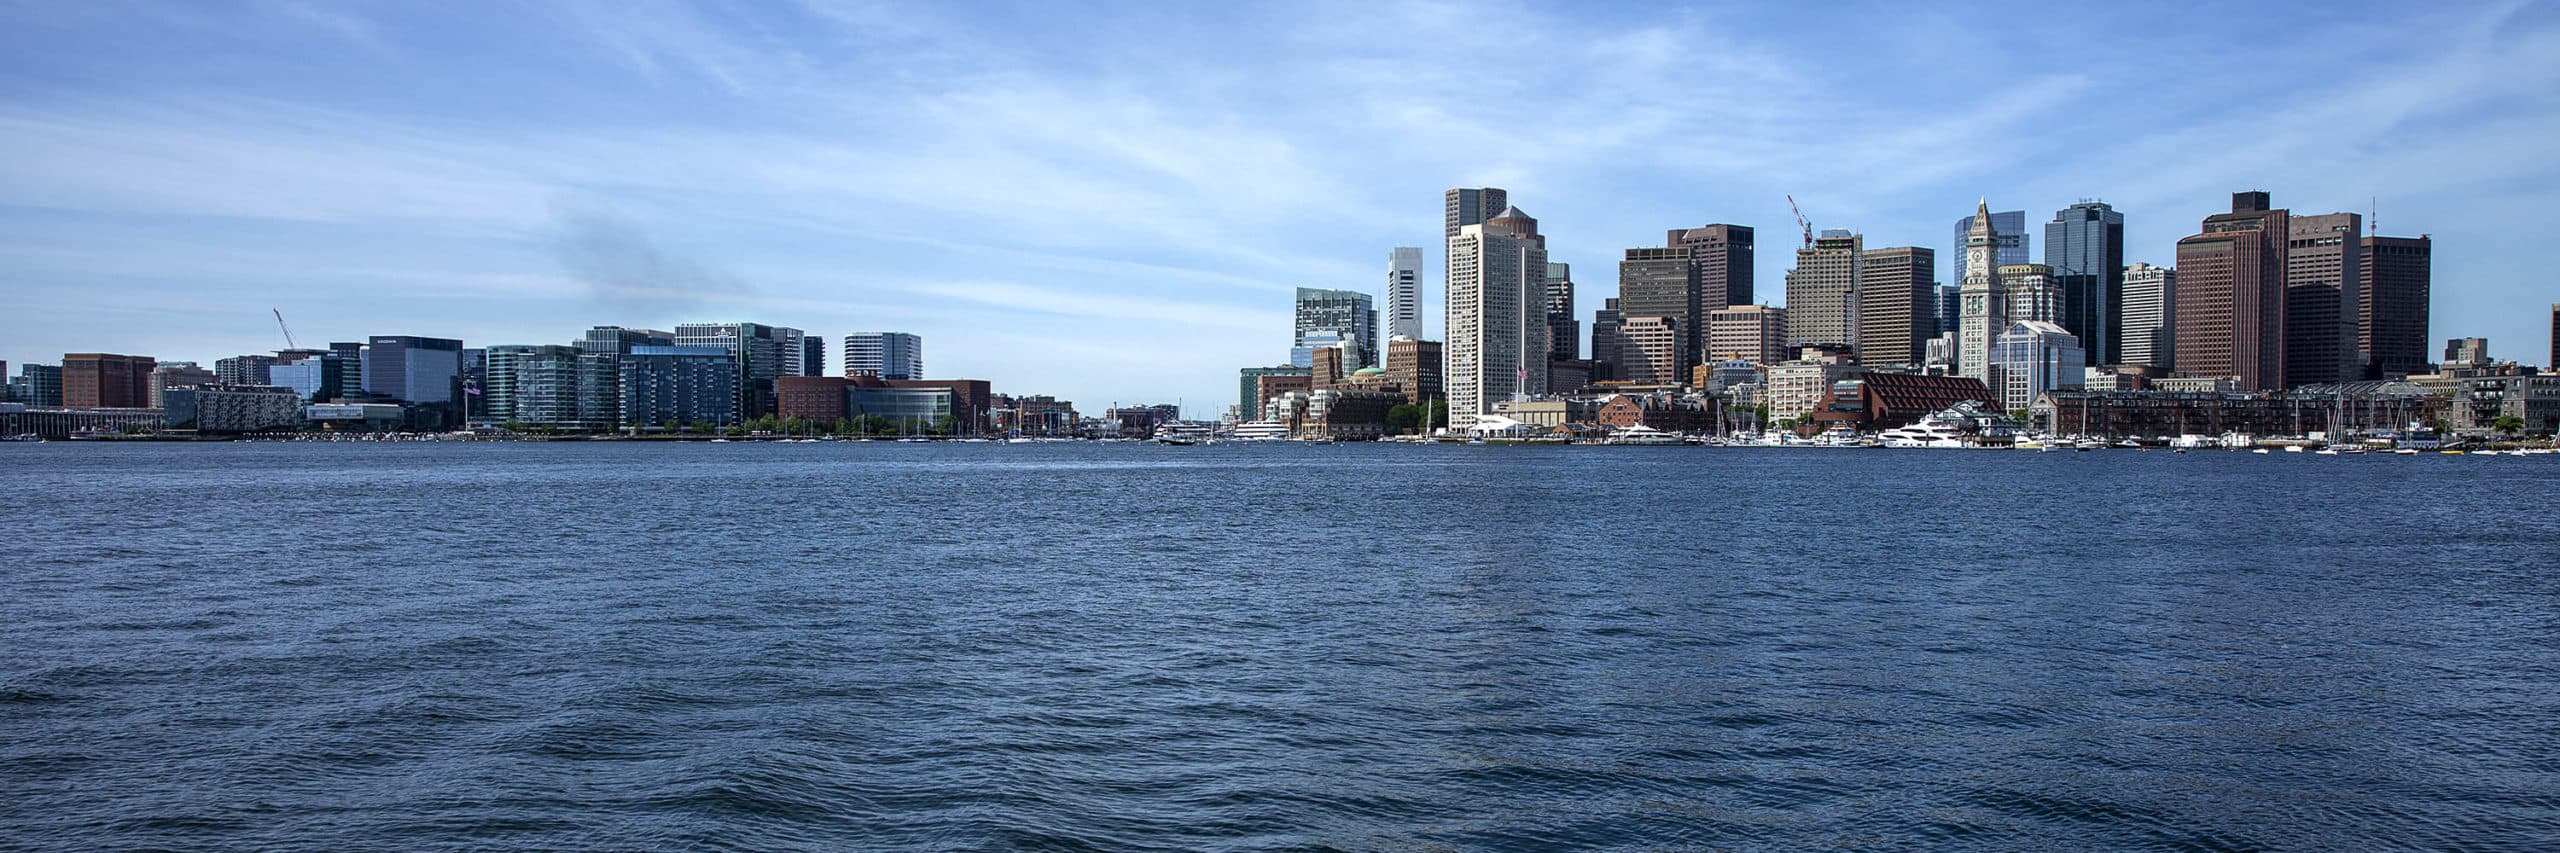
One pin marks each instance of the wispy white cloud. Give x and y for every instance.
(868, 163)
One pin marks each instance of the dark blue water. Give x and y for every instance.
(1133, 647)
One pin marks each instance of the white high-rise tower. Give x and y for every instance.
(1497, 330)
(1404, 292)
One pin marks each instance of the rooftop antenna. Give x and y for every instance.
(2373, 216)
(288, 332)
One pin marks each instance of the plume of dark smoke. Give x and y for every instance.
(626, 271)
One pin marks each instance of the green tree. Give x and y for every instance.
(945, 425)
(1404, 418)
(1435, 414)
(873, 425)
(2508, 424)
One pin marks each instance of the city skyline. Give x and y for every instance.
(677, 166)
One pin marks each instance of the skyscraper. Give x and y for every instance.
(1948, 309)
(2149, 315)
(1472, 207)
(2466, 352)
(2230, 296)
(1753, 333)
(1659, 284)
(888, 355)
(1724, 258)
(37, 385)
(99, 380)
(534, 384)
(1651, 348)
(1822, 291)
(2084, 244)
(764, 353)
(2009, 227)
(2324, 275)
(1895, 301)
(350, 362)
(2393, 304)
(1348, 313)
(1564, 329)
(1497, 290)
(2033, 293)
(1985, 312)
(243, 369)
(813, 356)
(413, 369)
(677, 384)
(1404, 292)
(618, 340)
(1605, 341)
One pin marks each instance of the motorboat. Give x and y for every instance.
(1645, 436)
(1928, 432)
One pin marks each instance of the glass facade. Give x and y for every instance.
(37, 385)
(888, 355)
(1347, 314)
(911, 409)
(680, 384)
(2084, 244)
(413, 369)
(2009, 240)
(2034, 357)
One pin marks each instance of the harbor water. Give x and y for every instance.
(1358, 647)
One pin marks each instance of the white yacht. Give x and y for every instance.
(1645, 436)
(1929, 432)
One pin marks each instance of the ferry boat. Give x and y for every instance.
(1261, 431)
(1182, 435)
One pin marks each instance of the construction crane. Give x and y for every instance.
(1800, 221)
(280, 326)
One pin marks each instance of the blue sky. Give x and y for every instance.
(1111, 203)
